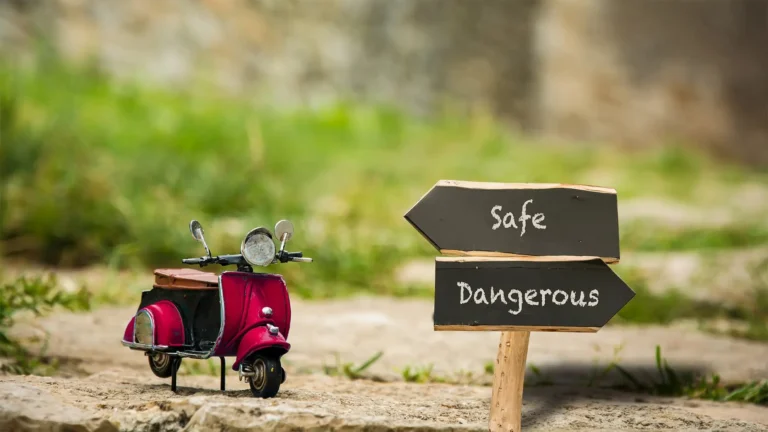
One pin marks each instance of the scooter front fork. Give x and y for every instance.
(245, 372)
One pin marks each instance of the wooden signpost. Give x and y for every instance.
(527, 257)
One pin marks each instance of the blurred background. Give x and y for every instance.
(122, 121)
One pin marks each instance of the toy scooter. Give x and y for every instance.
(193, 314)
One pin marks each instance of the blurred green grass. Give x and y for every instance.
(746, 320)
(95, 171)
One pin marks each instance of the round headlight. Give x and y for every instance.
(258, 247)
(142, 328)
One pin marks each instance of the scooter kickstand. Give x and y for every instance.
(174, 369)
(173, 381)
(223, 374)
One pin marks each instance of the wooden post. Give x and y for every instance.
(508, 376)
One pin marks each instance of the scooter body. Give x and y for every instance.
(199, 315)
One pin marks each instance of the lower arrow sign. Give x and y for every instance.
(532, 294)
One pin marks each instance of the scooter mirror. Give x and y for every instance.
(197, 233)
(196, 229)
(284, 230)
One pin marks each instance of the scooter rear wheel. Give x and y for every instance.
(162, 364)
(267, 376)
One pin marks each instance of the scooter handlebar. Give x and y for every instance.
(238, 259)
(224, 260)
(292, 256)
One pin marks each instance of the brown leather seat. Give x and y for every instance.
(185, 279)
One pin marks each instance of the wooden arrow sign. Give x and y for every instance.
(508, 219)
(533, 295)
(534, 259)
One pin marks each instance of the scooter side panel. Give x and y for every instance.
(167, 323)
(234, 289)
(269, 290)
(257, 339)
(245, 296)
(200, 311)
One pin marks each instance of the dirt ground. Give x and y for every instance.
(104, 386)
(129, 400)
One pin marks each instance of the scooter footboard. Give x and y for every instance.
(258, 339)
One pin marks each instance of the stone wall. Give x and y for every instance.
(641, 71)
(621, 71)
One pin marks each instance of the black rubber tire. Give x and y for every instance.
(267, 377)
(162, 364)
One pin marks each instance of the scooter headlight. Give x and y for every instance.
(258, 248)
(143, 327)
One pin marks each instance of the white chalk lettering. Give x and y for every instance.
(495, 216)
(554, 297)
(481, 298)
(593, 298)
(579, 302)
(508, 220)
(518, 300)
(463, 286)
(524, 217)
(530, 296)
(544, 299)
(497, 295)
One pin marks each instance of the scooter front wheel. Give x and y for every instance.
(267, 376)
(162, 364)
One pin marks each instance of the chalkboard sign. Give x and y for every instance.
(498, 219)
(540, 295)
(532, 257)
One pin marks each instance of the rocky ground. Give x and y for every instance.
(125, 399)
(104, 386)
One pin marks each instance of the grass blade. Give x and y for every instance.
(631, 378)
(659, 367)
(368, 363)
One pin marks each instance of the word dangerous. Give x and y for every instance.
(531, 297)
(509, 219)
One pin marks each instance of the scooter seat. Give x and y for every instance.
(185, 279)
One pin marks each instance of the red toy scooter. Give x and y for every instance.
(193, 314)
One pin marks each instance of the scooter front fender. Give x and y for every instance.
(165, 327)
(257, 339)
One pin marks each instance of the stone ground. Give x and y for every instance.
(104, 386)
(129, 400)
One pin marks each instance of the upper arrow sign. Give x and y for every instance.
(509, 219)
